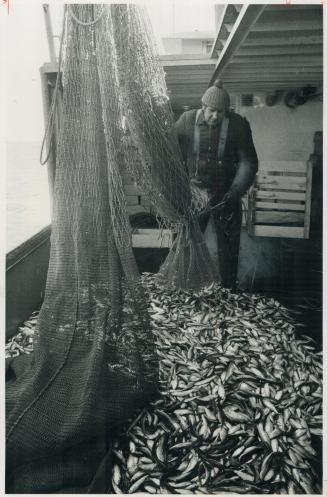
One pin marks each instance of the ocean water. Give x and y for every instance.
(27, 193)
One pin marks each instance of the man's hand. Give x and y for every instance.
(230, 203)
(228, 209)
(196, 182)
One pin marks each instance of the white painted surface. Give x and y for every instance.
(283, 134)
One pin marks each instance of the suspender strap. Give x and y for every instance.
(196, 146)
(222, 138)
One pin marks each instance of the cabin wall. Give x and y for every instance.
(172, 45)
(195, 46)
(280, 133)
(284, 134)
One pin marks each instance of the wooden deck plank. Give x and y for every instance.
(287, 26)
(269, 71)
(280, 50)
(286, 195)
(278, 231)
(295, 60)
(274, 217)
(246, 20)
(286, 39)
(280, 182)
(280, 206)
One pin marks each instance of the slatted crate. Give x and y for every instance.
(135, 198)
(137, 202)
(152, 238)
(279, 203)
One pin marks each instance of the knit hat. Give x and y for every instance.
(216, 97)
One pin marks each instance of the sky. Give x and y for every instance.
(26, 50)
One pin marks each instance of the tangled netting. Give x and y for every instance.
(94, 361)
(150, 147)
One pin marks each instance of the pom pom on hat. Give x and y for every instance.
(218, 83)
(216, 96)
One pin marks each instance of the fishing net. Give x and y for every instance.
(94, 361)
(151, 150)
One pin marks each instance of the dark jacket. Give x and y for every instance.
(239, 165)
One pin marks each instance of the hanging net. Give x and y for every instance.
(94, 361)
(151, 150)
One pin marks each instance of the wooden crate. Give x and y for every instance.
(279, 202)
(151, 238)
(138, 202)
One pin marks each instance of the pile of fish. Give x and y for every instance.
(240, 399)
(22, 343)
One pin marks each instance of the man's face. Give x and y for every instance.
(213, 116)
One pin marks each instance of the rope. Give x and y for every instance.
(83, 23)
(50, 124)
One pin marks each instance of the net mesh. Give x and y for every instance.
(155, 160)
(94, 361)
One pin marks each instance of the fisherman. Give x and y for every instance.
(221, 160)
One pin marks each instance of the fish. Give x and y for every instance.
(235, 386)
